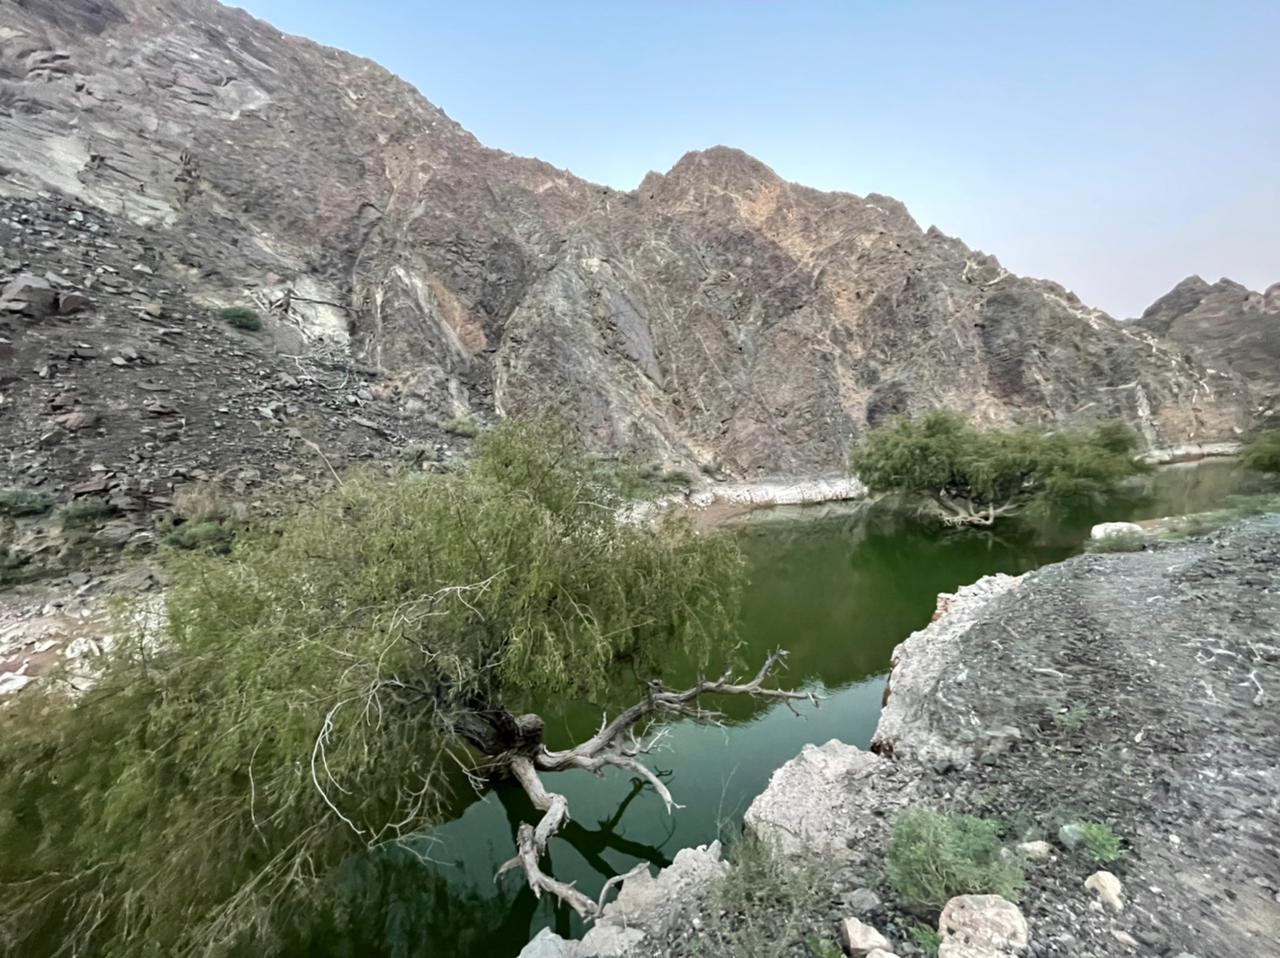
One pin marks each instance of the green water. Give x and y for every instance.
(837, 586)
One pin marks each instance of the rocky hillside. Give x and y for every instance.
(1225, 326)
(716, 314)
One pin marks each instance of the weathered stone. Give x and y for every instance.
(547, 944)
(810, 803)
(75, 421)
(1037, 851)
(862, 901)
(981, 926)
(1071, 835)
(1108, 889)
(1104, 530)
(37, 296)
(72, 302)
(859, 938)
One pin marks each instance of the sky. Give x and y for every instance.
(1116, 147)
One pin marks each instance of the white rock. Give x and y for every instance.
(860, 939)
(1104, 530)
(1036, 851)
(810, 802)
(547, 944)
(981, 926)
(880, 953)
(1124, 938)
(1108, 889)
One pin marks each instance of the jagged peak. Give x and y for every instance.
(722, 166)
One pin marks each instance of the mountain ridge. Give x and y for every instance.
(717, 314)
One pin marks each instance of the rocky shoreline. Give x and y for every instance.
(1135, 690)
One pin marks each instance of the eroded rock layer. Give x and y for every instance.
(715, 314)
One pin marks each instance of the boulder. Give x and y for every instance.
(981, 926)
(860, 939)
(547, 944)
(1036, 851)
(813, 801)
(1108, 889)
(36, 296)
(1104, 530)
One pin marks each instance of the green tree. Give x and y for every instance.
(968, 476)
(1263, 453)
(319, 689)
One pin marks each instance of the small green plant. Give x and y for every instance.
(677, 477)
(463, 426)
(24, 502)
(760, 906)
(933, 857)
(712, 470)
(822, 949)
(927, 939)
(200, 535)
(1118, 542)
(242, 317)
(1263, 453)
(83, 513)
(1101, 842)
(1073, 716)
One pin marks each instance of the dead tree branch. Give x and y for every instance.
(617, 745)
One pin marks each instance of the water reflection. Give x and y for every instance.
(839, 590)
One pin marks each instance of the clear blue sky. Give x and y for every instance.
(1113, 146)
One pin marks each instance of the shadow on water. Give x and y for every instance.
(838, 586)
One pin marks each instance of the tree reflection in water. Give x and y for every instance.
(395, 901)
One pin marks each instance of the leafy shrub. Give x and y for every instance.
(760, 908)
(241, 317)
(200, 535)
(927, 939)
(196, 502)
(1128, 541)
(24, 502)
(83, 513)
(175, 806)
(463, 426)
(1101, 842)
(934, 857)
(971, 476)
(677, 477)
(1263, 453)
(1073, 716)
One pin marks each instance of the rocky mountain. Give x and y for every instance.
(716, 314)
(1225, 326)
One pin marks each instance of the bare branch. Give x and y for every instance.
(616, 745)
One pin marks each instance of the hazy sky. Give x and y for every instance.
(1113, 146)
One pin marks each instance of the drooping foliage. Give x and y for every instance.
(972, 475)
(316, 691)
(1263, 453)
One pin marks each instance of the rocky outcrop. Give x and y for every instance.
(715, 315)
(1225, 326)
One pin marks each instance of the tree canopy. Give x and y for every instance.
(1263, 452)
(319, 689)
(970, 476)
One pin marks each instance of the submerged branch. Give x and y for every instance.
(617, 745)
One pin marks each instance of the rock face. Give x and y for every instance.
(1225, 326)
(715, 314)
(1131, 689)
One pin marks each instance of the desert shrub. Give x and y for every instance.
(1128, 541)
(241, 317)
(1073, 716)
(970, 476)
(933, 857)
(313, 693)
(1102, 844)
(463, 427)
(761, 907)
(927, 939)
(200, 535)
(201, 502)
(677, 477)
(83, 513)
(1263, 453)
(24, 502)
